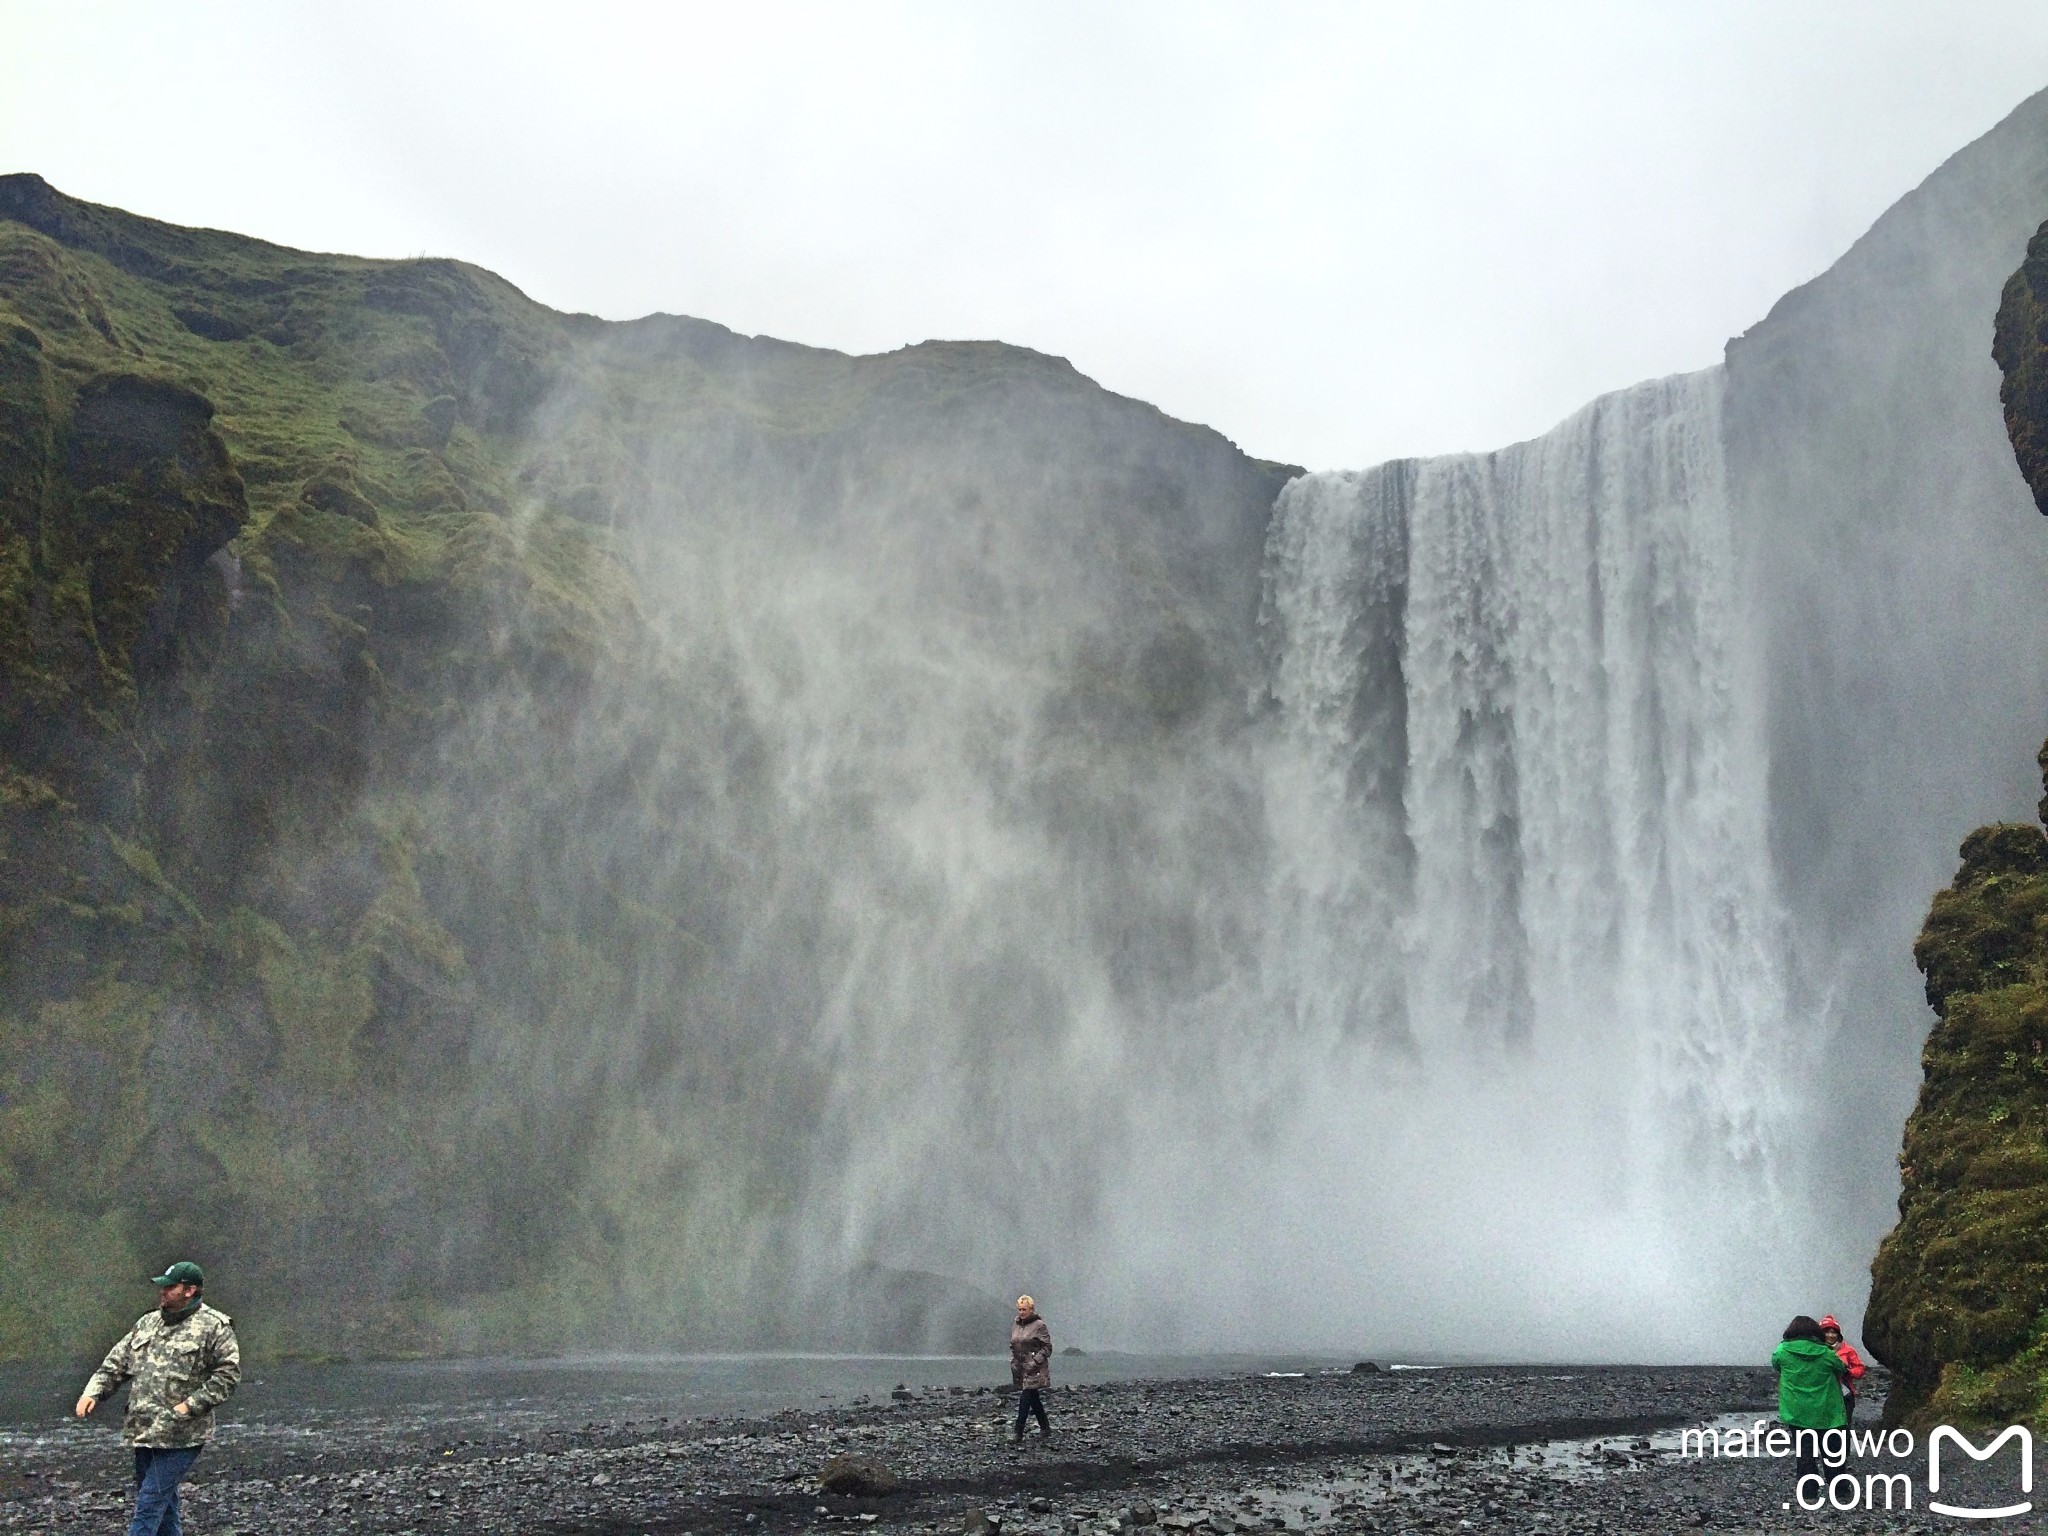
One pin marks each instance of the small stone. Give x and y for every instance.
(1141, 1513)
(600, 1480)
(980, 1522)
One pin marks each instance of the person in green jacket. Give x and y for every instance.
(1809, 1392)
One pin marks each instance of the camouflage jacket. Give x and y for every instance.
(194, 1360)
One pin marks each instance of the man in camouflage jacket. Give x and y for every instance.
(183, 1362)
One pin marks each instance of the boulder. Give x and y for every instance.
(858, 1477)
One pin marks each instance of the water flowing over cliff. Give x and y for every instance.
(1521, 787)
(1524, 690)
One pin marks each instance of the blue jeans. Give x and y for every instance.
(157, 1475)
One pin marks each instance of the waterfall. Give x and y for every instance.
(1520, 797)
(1526, 973)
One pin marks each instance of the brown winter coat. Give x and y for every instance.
(1031, 1353)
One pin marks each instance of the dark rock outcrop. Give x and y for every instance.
(2020, 347)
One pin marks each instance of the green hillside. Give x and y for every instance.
(379, 883)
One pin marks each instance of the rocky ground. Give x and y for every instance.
(1489, 1449)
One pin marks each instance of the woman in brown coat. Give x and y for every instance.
(1030, 1365)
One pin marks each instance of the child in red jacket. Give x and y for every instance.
(1831, 1335)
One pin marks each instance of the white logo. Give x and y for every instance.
(1943, 1432)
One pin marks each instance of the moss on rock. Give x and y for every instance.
(253, 542)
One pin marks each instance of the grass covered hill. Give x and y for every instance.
(399, 907)
(1959, 1302)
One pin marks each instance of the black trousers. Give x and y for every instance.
(1028, 1403)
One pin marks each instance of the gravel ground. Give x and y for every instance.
(1555, 1450)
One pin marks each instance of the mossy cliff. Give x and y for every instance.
(1959, 1300)
(253, 534)
(366, 930)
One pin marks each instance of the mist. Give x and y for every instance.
(1464, 910)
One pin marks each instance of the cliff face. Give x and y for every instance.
(1897, 571)
(381, 880)
(1959, 1302)
(254, 531)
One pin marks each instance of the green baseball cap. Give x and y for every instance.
(184, 1272)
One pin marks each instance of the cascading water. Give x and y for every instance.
(1522, 854)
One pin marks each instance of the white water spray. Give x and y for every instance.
(1519, 799)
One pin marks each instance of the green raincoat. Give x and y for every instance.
(1810, 1385)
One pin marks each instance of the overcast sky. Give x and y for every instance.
(1339, 233)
